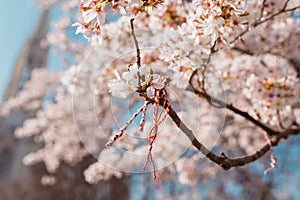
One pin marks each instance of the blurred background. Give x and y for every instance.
(18, 26)
(24, 28)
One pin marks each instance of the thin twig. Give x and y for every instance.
(259, 22)
(138, 54)
(285, 5)
(262, 9)
(243, 51)
(283, 10)
(123, 129)
(239, 37)
(221, 104)
(143, 119)
(136, 43)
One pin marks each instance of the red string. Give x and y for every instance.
(157, 120)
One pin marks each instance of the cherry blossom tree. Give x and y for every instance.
(191, 88)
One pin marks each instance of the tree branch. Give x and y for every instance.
(292, 61)
(221, 104)
(222, 160)
(259, 22)
(283, 10)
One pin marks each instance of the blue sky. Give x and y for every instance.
(17, 21)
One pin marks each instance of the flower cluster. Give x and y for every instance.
(267, 82)
(93, 14)
(93, 17)
(272, 93)
(182, 55)
(188, 44)
(133, 7)
(214, 20)
(135, 79)
(171, 14)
